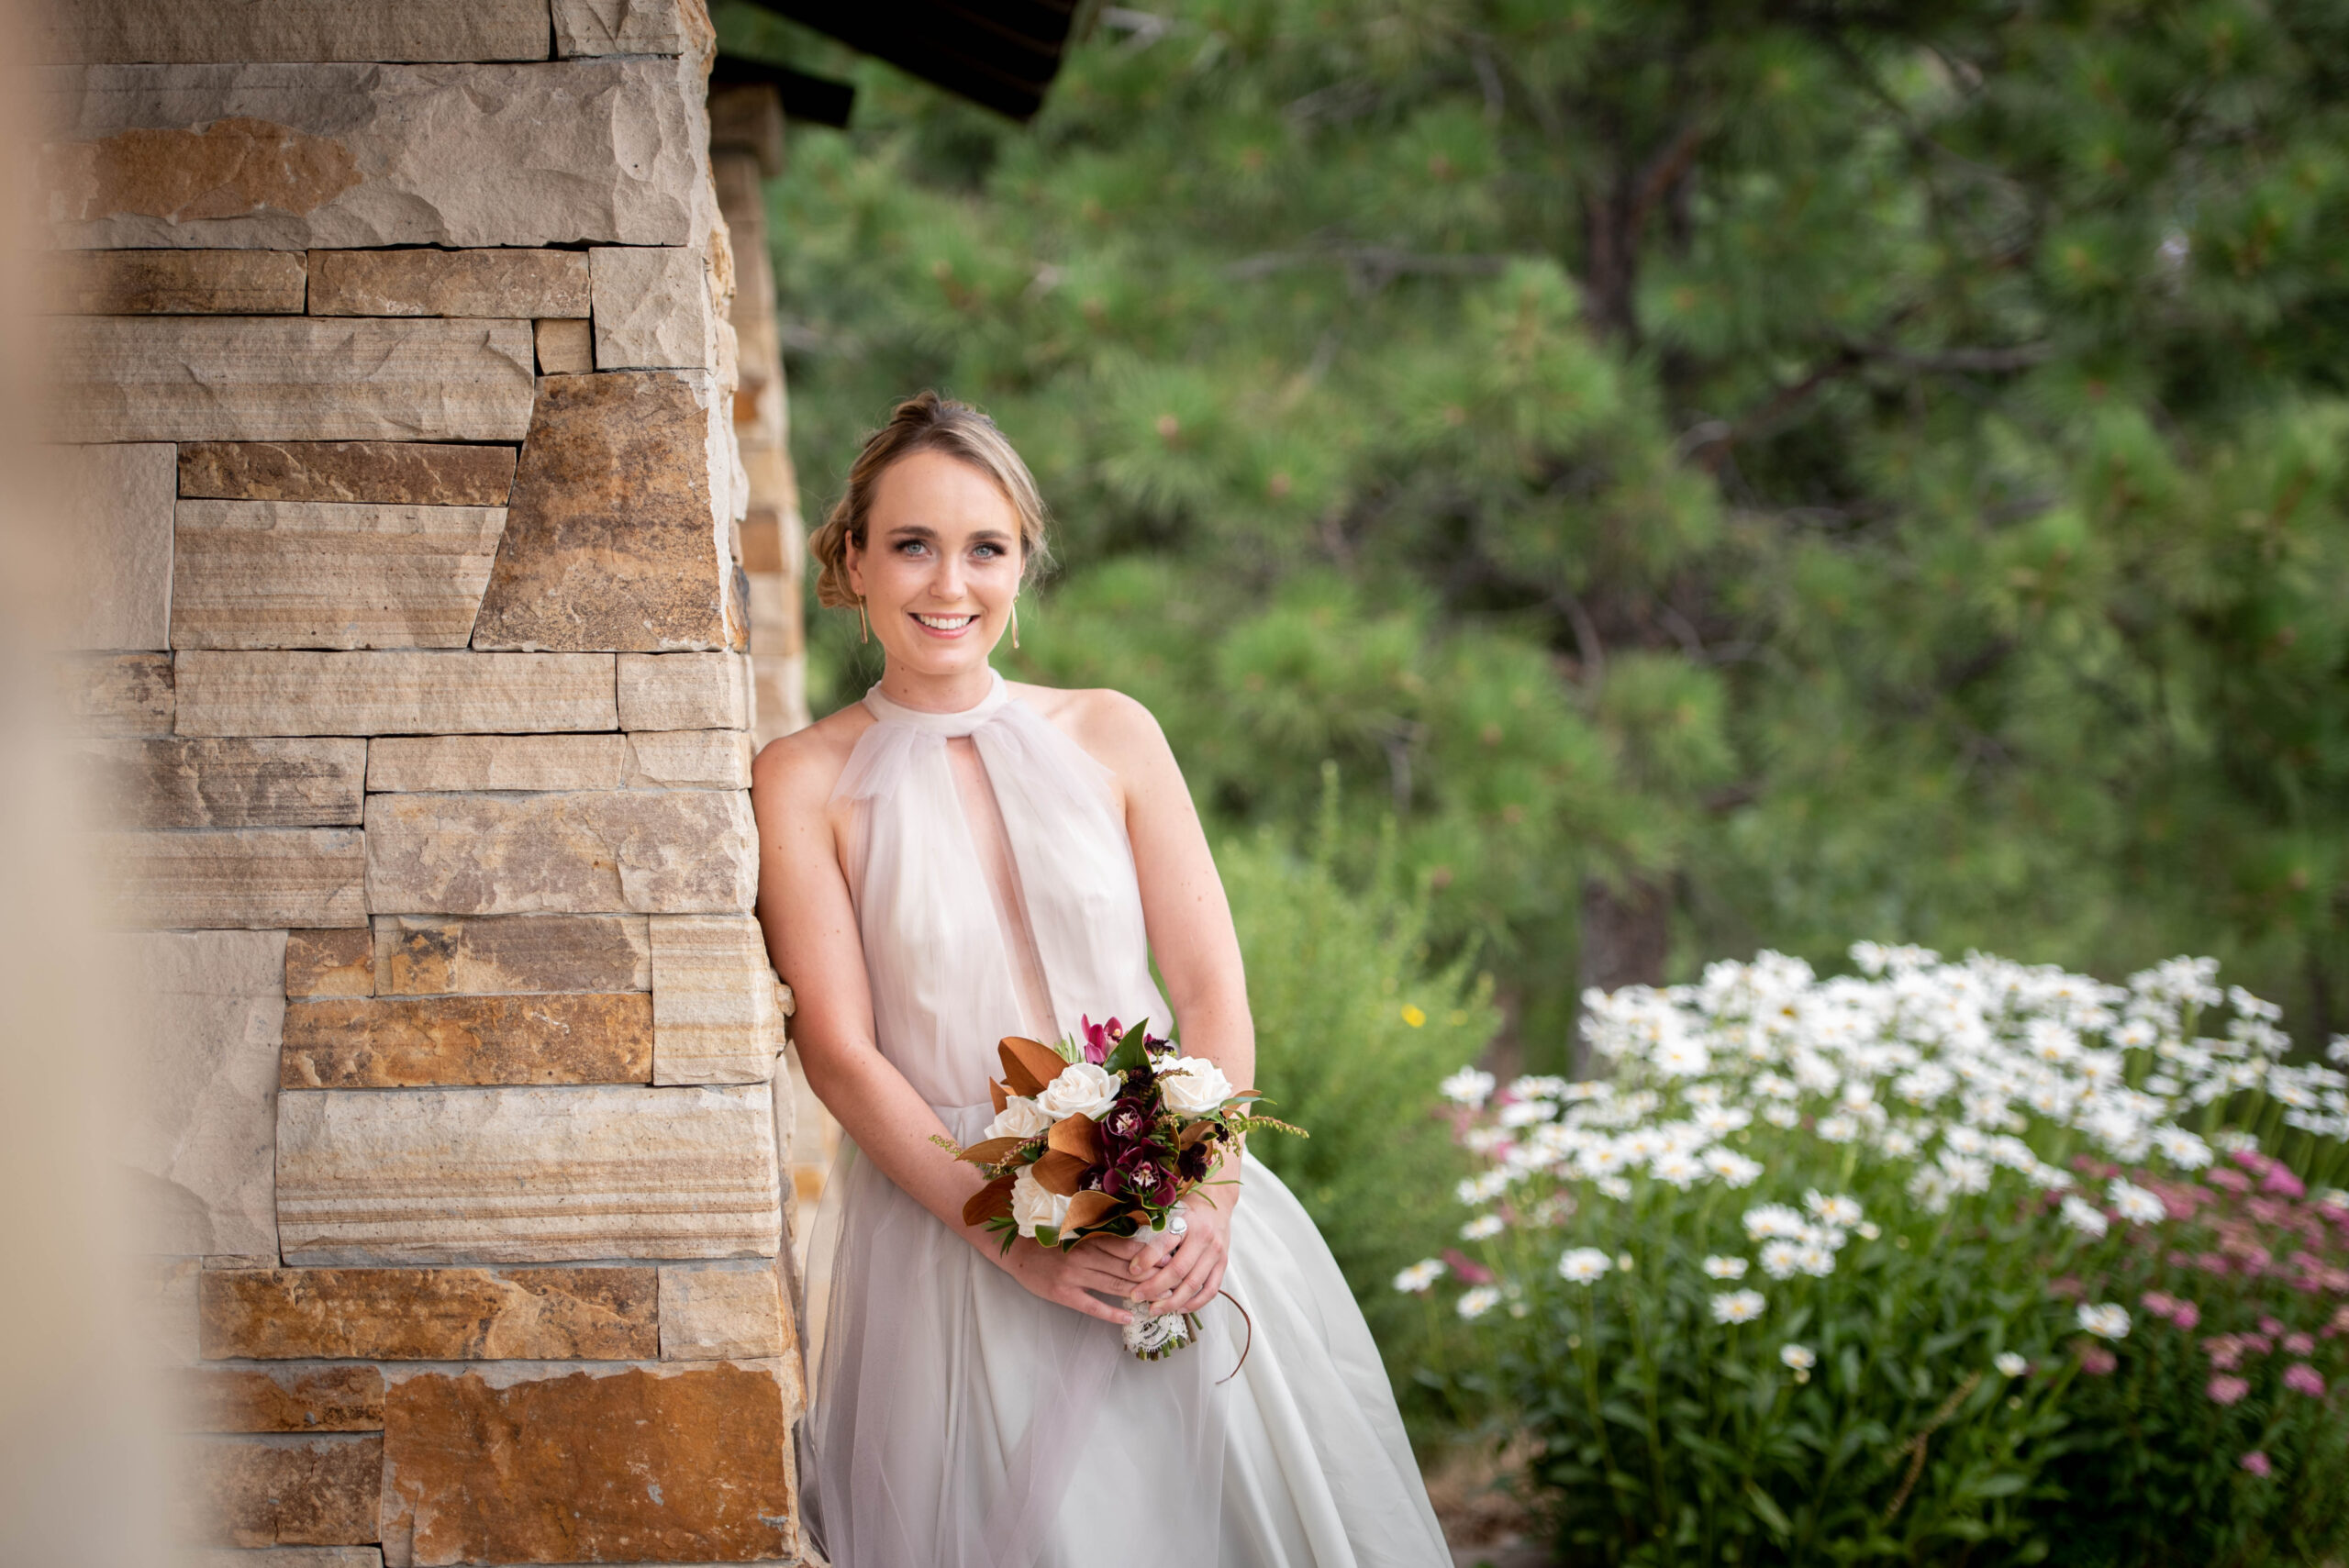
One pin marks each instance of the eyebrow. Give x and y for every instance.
(923, 530)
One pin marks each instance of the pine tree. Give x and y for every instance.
(1716, 476)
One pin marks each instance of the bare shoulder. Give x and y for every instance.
(1115, 729)
(801, 768)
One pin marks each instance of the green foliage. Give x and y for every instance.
(1808, 468)
(1353, 1022)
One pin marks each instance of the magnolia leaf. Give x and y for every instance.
(1059, 1173)
(1129, 1054)
(990, 1203)
(994, 1151)
(1196, 1131)
(1028, 1065)
(1086, 1209)
(1074, 1134)
(996, 1092)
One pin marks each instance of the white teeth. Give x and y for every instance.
(944, 623)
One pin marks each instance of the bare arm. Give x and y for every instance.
(1189, 920)
(811, 935)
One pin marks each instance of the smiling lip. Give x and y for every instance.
(945, 625)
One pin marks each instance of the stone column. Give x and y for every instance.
(400, 404)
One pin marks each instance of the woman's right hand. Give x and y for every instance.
(1066, 1279)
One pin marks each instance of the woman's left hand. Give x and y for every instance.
(1182, 1273)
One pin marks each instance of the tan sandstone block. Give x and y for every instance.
(409, 764)
(690, 759)
(313, 781)
(430, 1175)
(228, 878)
(722, 1312)
(345, 156)
(195, 378)
(114, 693)
(173, 283)
(685, 691)
(628, 26)
(408, 1042)
(281, 1399)
(651, 1464)
(282, 1557)
(114, 520)
(201, 1020)
(331, 962)
(714, 1016)
(589, 851)
(139, 30)
(427, 955)
(271, 1491)
(329, 574)
(615, 539)
(449, 282)
(652, 308)
(392, 693)
(565, 347)
(430, 1314)
(414, 474)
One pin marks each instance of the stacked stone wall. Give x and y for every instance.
(407, 449)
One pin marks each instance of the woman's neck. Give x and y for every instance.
(957, 692)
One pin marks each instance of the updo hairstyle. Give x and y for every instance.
(925, 423)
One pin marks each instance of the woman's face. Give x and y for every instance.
(939, 564)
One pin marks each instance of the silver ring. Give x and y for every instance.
(1176, 1224)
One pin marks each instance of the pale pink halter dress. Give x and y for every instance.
(958, 1422)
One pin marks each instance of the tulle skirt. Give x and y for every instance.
(958, 1422)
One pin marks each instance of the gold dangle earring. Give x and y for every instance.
(863, 623)
(1015, 623)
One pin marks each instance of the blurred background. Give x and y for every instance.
(1589, 489)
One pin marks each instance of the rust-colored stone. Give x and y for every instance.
(611, 541)
(430, 1314)
(232, 168)
(414, 474)
(639, 1466)
(504, 283)
(408, 1042)
(339, 962)
(276, 782)
(115, 693)
(283, 1399)
(276, 1490)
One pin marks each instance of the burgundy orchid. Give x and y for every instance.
(1099, 1039)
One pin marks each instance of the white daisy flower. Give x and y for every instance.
(1802, 1358)
(1838, 1211)
(1584, 1265)
(1469, 1087)
(1420, 1276)
(1483, 1227)
(2010, 1364)
(1475, 1303)
(2134, 1202)
(2106, 1319)
(2084, 1217)
(1725, 1268)
(1738, 1307)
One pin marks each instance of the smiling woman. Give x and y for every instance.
(957, 860)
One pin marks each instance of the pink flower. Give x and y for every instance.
(2186, 1315)
(2256, 1463)
(2233, 1181)
(2158, 1303)
(2270, 1326)
(1467, 1268)
(1099, 1039)
(2225, 1390)
(2259, 1342)
(2066, 1286)
(2212, 1263)
(2096, 1361)
(2225, 1352)
(2300, 1344)
(2282, 1183)
(2302, 1378)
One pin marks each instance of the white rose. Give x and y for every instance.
(1193, 1084)
(1020, 1118)
(1082, 1088)
(1032, 1206)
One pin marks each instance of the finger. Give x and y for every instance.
(1092, 1306)
(1179, 1276)
(1166, 1269)
(1119, 1247)
(1201, 1287)
(1094, 1275)
(1151, 1258)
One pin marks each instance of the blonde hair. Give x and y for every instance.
(924, 423)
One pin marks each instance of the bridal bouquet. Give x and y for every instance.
(1104, 1137)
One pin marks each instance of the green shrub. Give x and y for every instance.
(1353, 1022)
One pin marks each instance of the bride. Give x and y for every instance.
(954, 860)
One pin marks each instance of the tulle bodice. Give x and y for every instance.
(993, 886)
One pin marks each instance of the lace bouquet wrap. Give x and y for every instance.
(1104, 1137)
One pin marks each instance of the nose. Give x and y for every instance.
(948, 582)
